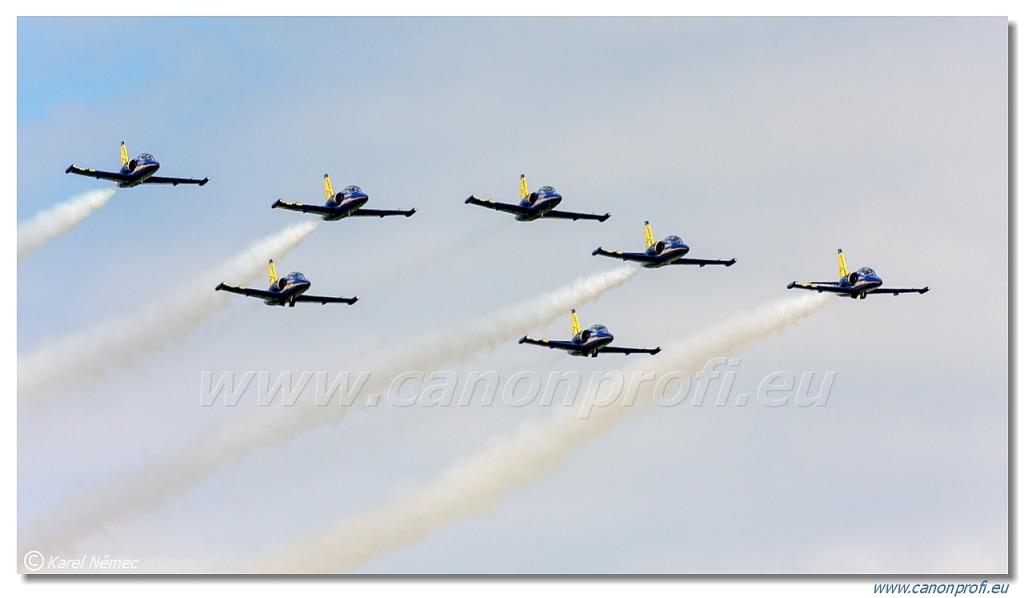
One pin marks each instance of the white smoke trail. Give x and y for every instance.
(123, 339)
(36, 233)
(476, 486)
(159, 481)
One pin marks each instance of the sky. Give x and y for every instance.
(771, 140)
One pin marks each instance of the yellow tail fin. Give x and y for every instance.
(124, 154)
(575, 323)
(842, 265)
(272, 272)
(328, 191)
(648, 235)
(523, 189)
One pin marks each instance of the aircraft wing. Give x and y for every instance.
(563, 345)
(383, 213)
(247, 291)
(164, 180)
(894, 292)
(96, 174)
(577, 216)
(628, 350)
(818, 286)
(325, 300)
(501, 207)
(306, 208)
(628, 257)
(689, 261)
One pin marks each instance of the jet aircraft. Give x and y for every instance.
(343, 204)
(669, 250)
(287, 290)
(135, 172)
(538, 204)
(855, 285)
(587, 343)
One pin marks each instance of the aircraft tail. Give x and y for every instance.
(523, 189)
(328, 190)
(124, 154)
(575, 323)
(272, 272)
(842, 265)
(648, 235)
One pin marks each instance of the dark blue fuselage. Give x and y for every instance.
(666, 251)
(859, 283)
(539, 203)
(138, 170)
(288, 288)
(591, 340)
(347, 200)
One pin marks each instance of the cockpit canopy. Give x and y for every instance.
(144, 158)
(545, 190)
(297, 276)
(352, 189)
(673, 240)
(599, 328)
(866, 272)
